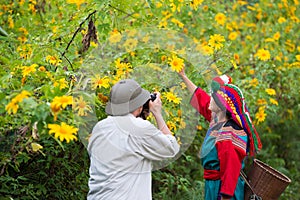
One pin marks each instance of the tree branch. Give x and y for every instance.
(74, 35)
(127, 14)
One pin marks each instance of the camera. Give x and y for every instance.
(145, 111)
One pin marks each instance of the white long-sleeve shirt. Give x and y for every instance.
(121, 150)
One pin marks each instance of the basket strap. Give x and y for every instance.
(244, 176)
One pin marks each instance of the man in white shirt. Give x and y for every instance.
(123, 146)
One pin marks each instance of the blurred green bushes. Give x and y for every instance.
(45, 46)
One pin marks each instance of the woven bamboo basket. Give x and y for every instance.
(267, 182)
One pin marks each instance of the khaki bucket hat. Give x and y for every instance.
(125, 97)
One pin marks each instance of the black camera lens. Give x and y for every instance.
(145, 111)
(152, 96)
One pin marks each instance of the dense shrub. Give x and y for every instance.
(59, 60)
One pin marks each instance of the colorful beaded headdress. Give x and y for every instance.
(231, 97)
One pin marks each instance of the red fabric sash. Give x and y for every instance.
(211, 174)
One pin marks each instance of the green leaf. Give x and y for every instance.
(59, 142)
(3, 32)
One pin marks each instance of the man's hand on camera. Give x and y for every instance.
(156, 105)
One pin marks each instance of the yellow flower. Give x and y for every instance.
(176, 63)
(179, 113)
(36, 147)
(269, 40)
(132, 54)
(25, 51)
(100, 82)
(276, 36)
(251, 25)
(261, 102)
(22, 39)
(77, 2)
(182, 85)
(216, 68)
(115, 37)
(220, 18)
(290, 46)
(177, 22)
(131, 32)
(271, 91)
(281, 20)
(171, 125)
(263, 54)
(251, 71)
(130, 44)
(93, 44)
(234, 64)
(199, 127)
(259, 15)
(242, 3)
(236, 58)
(146, 38)
(163, 58)
(254, 82)
(102, 98)
(63, 131)
(53, 60)
(81, 106)
(171, 97)
(232, 35)
(163, 24)
(295, 19)
(159, 4)
(122, 66)
(22, 29)
(42, 69)
(231, 26)
(21, 2)
(260, 116)
(12, 106)
(182, 124)
(195, 4)
(298, 57)
(179, 141)
(155, 67)
(171, 47)
(54, 29)
(32, 6)
(207, 50)
(55, 108)
(60, 102)
(65, 101)
(216, 40)
(11, 23)
(251, 8)
(83, 31)
(62, 83)
(23, 95)
(174, 7)
(248, 37)
(274, 101)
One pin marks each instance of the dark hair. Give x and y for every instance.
(220, 105)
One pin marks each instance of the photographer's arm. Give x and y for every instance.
(161, 124)
(155, 108)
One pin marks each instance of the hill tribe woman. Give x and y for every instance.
(230, 138)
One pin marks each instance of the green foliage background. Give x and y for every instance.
(60, 170)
